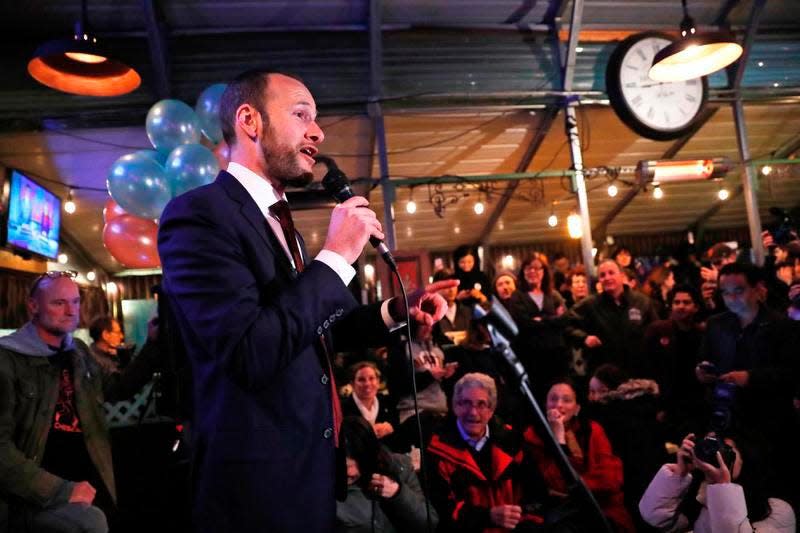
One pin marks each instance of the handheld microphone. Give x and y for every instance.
(337, 185)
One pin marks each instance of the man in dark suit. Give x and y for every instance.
(258, 318)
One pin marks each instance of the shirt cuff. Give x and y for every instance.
(338, 264)
(390, 322)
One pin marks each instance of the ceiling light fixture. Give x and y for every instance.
(722, 192)
(552, 220)
(80, 66)
(612, 190)
(63, 258)
(658, 194)
(479, 208)
(411, 205)
(693, 56)
(574, 225)
(69, 205)
(91, 275)
(766, 170)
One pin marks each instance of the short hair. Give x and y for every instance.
(356, 367)
(476, 380)
(98, 325)
(752, 274)
(443, 274)
(249, 87)
(609, 260)
(609, 375)
(621, 249)
(688, 289)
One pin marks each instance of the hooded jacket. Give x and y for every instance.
(28, 393)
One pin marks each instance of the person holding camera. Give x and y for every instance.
(715, 485)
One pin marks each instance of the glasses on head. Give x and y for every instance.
(480, 405)
(53, 274)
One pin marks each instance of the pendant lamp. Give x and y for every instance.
(693, 56)
(80, 66)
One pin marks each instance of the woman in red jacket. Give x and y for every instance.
(589, 451)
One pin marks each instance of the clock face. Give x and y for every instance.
(657, 110)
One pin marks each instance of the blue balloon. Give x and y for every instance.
(171, 123)
(158, 157)
(138, 184)
(207, 109)
(190, 166)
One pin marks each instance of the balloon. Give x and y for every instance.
(207, 109)
(138, 184)
(223, 154)
(112, 210)
(190, 166)
(132, 241)
(158, 157)
(171, 123)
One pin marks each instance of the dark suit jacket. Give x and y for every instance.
(264, 457)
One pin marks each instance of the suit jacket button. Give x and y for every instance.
(339, 312)
(326, 324)
(324, 379)
(332, 318)
(328, 433)
(319, 330)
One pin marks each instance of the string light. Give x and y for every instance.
(508, 262)
(552, 220)
(69, 205)
(574, 225)
(658, 194)
(91, 275)
(369, 272)
(612, 190)
(411, 207)
(479, 208)
(63, 258)
(723, 193)
(766, 170)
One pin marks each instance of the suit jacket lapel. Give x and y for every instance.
(255, 218)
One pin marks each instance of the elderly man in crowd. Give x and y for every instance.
(56, 471)
(480, 479)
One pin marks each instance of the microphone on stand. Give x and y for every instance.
(337, 185)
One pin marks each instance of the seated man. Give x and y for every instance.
(55, 453)
(480, 480)
(108, 349)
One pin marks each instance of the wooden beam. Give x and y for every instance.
(705, 116)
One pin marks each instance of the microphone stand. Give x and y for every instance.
(499, 322)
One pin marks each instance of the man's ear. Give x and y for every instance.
(248, 119)
(33, 307)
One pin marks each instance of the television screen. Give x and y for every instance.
(34, 217)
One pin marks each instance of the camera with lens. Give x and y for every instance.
(706, 451)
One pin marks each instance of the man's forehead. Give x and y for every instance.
(61, 287)
(289, 91)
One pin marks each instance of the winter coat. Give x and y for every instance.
(724, 508)
(599, 468)
(405, 511)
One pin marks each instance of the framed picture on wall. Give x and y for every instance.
(414, 268)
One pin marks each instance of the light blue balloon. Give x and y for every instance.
(190, 166)
(207, 109)
(138, 184)
(158, 157)
(171, 123)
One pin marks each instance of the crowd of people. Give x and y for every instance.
(635, 372)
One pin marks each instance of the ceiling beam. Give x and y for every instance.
(713, 210)
(724, 13)
(704, 116)
(788, 148)
(157, 42)
(533, 147)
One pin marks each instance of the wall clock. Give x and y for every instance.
(656, 110)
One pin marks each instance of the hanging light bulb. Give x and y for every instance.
(69, 205)
(91, 275)
(63, 258)
(479, 208)
(369, 272)
(552, 220)
(574, 225)
(766, 170)
(411, 207)
(658, 194)
(508, 262)
(612, 190)
(723, 194)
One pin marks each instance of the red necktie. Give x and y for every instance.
(281, 211)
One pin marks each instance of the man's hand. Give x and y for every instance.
(740, 378)
(709, 274)
(383, 486)
(351, 227)
(382, 429)
(592, 341)
(427, 305)
(556, 421)
(507, 516)
(82, 492)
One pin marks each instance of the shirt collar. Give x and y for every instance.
(259, 189)
(477, 445)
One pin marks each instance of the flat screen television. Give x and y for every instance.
(32, 217)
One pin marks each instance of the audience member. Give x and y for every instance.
(55, 450)
(623, 257)
(578, 283)
(611, 325)
(505, 284)
(367, 403)
(724, 494)
(473, 284)
(480, 480)
(659, 283)
(589, 451)
(671, 348)
(383, 492)
(627, 410)
(537, 309)
(561, 270)
(452, 328)
(108, 349)
(717, 256)
(753, 350)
